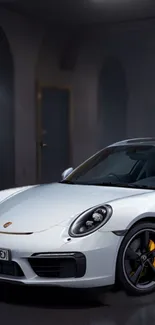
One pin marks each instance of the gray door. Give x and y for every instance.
(7, 168)
(54, 138)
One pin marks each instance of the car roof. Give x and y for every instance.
(135, 141)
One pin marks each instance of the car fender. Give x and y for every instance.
(128, 211)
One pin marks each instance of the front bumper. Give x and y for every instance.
(75, 263)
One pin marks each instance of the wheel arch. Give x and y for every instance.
(142, 219)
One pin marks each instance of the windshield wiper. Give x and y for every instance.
(110, 184)
(145, 187)
(130, 185)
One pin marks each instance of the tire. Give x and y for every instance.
(135, 270)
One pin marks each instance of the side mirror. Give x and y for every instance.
(67, 172)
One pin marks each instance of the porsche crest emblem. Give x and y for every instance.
(6, 225)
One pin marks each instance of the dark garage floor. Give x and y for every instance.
(48, 306)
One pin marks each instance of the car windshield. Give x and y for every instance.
(126, 166)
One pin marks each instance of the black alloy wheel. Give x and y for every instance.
(136, 260)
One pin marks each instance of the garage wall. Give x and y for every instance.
(82, 81)
(36, 54)
(25, 39)
(133, 47)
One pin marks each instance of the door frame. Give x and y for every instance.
(39, 87)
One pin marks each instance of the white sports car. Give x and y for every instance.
(92, 229)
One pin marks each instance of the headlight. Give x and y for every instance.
(90, 220)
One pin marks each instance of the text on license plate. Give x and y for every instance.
(4, 255)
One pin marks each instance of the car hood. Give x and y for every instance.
(37, 208)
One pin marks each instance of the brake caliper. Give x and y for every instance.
(152, 248)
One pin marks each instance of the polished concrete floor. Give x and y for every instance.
(55, 307)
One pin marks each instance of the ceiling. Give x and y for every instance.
(82, 11)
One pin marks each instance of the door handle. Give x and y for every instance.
(43, 145)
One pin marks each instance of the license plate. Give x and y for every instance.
(4, 255)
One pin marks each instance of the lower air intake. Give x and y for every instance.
(58, 266)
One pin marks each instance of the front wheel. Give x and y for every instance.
(136, 260)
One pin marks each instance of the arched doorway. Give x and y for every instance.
(6, 114)
(112, 100)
